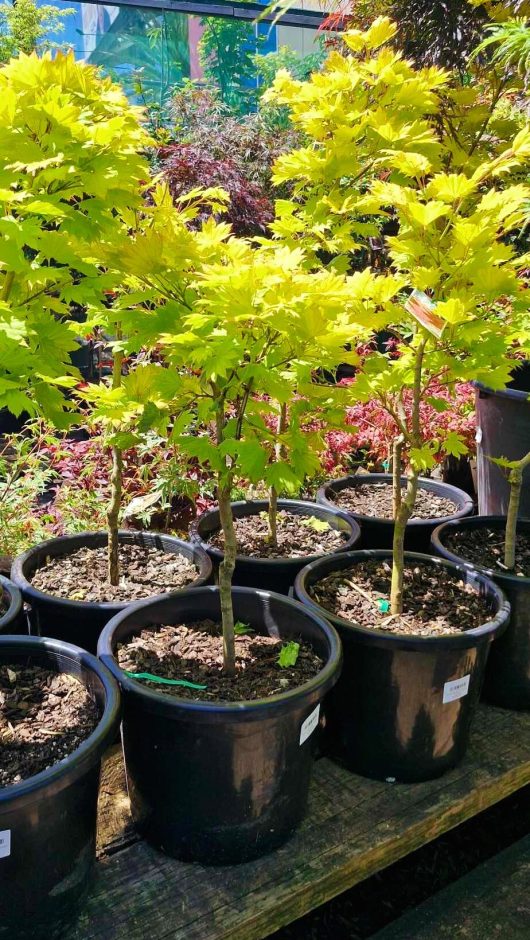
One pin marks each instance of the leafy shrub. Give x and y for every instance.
(226, 52)
(373, 430)
(186, 167)
(203, 120)
(69, 172)
(376, 150)
(443, 32)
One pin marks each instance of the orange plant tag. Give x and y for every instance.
(422, 308)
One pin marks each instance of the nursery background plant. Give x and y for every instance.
(70, 175)
(450, 250)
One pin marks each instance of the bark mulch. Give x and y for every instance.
(436, 602)
(144, 572)
(44, 717)
(486, 547)
(194, 652)
(298, 536)
(375, 499)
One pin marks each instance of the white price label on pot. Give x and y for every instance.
(309, 724)
(456, 689)
(5, 843)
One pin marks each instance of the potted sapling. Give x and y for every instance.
(499, 546)
(278, 536)
(76, 583)
(416, 632)
(74, 191)
(224, 680)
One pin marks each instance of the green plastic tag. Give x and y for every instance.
(159, 679)
(383, 604)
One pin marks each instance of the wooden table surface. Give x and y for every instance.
(354, 828)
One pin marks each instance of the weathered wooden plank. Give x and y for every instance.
(354, 828)
(491, 901)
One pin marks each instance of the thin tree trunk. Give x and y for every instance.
(273, 493)
(396, 475)
(407, 503)
(113, 513)
(515, 480)
(273, 516)
(116, 485)
(226, 571)
(8, 285)
(228, 564)
(398, 545)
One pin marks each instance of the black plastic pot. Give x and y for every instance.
(14, 620)
(272, 574)
(10, 423)
(403, 706)
(48, 822)
(503, 430)
(81, 622)
(378, 532)
(220, 782)
(507, 681)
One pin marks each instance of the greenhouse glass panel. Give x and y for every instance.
(152, 50)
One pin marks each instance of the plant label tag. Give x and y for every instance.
(456, 689)
(422, 308)
(5, 843)
(309, 724)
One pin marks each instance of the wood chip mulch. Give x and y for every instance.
(44, 717)
(194, 652)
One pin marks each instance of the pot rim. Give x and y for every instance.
(91, 749)
(15, 602)
(513, 394)
(459, 496)
(478, 522)
(18, 567)
(262, 504)
(244, 709)
(466, 639)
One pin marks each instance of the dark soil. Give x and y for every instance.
(194, 652)
(486, 547)
(437, 603)
(375, 499)
(298, 536)
(44, 716)
(145, 571)
(4, 603)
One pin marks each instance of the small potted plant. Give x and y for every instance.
(368, 497)
(76, 583)
(228, 677)
(499, 546)
(74, 192)
(406, 647)
(276, 536)
(59, 712)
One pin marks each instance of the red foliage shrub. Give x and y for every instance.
(185, 166)
(373, 429)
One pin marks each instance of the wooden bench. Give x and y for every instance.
(354, 828)
(491, 901)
